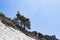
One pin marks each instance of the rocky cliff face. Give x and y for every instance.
(9, 33)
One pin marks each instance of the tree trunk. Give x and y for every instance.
(24, 27)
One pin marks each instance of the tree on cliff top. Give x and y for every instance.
(23, 20)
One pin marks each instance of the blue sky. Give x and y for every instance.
(43, 14)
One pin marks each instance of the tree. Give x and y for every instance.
(19, 18)
(26, 22)
(18, 15)
(23, 20)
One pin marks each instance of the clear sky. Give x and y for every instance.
(43, 14)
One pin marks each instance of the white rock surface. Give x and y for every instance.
(8, 33)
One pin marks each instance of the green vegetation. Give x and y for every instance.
(2, 15)
(23, 20)
(21, 23)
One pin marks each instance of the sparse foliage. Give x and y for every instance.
(23, 20)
